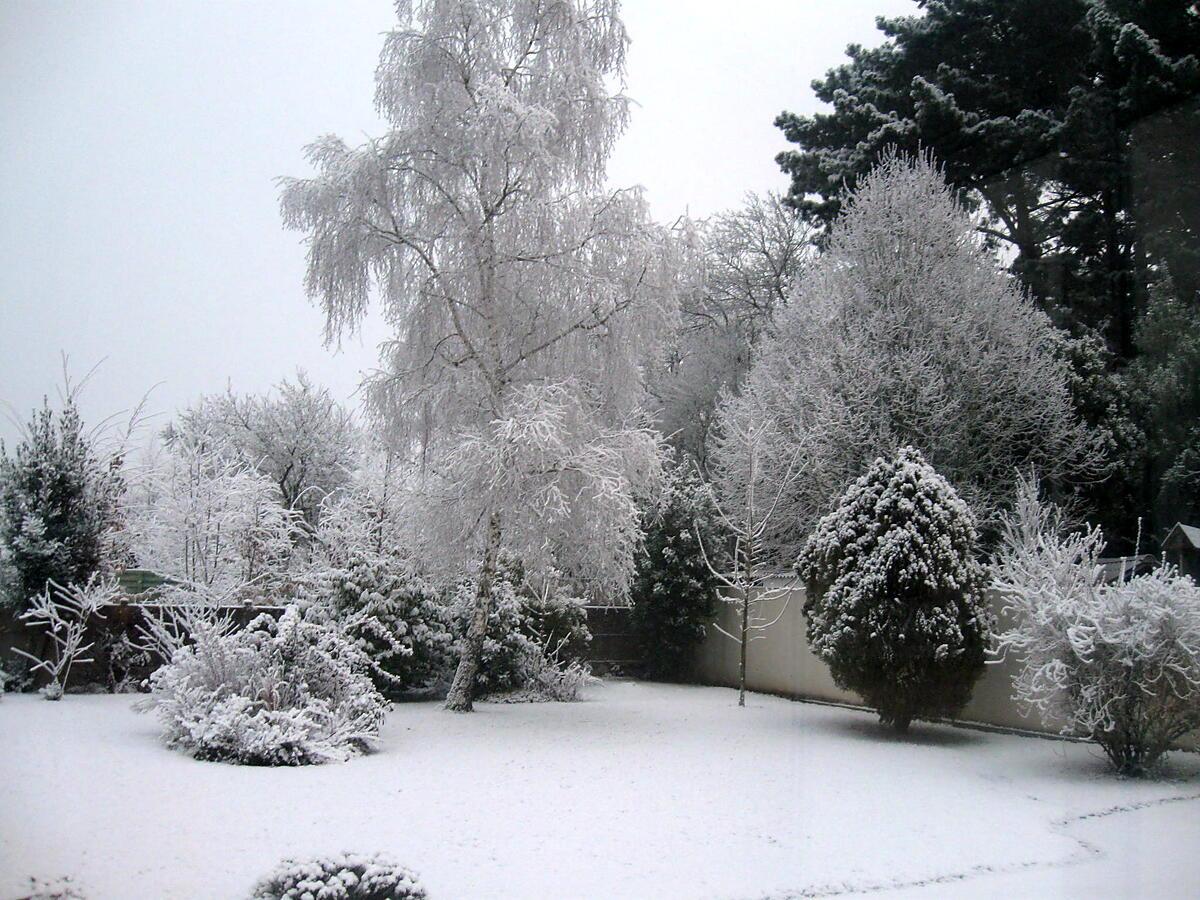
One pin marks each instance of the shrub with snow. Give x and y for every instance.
(530, 631)
(1116, 662)
(277, 693)
(348, 876)
(895, 594)
(63, 614)
(399, 621)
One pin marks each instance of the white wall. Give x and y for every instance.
(781, 663)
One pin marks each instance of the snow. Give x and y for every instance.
(640, 791)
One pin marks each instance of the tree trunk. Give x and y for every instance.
(462, 690)
(745, 642)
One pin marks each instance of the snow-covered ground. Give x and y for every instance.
(641, 791)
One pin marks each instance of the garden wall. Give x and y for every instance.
(780, 662)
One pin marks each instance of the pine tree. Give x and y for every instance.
(58, 505)
(895, 594)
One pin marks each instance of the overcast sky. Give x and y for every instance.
(139, 142)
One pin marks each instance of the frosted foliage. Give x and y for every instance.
(346, 876)
(1117, 662)
(905, 331)
(204, 517)
(896, 601)
(297, 434)
(569, 485)
(370, 515)
(277, 693)
(750, 258)
(525, 298)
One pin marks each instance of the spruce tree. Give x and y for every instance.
(58, 505)
(895, 594)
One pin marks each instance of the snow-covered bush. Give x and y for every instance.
(528, 629)
(394, 616)
(63, 614)
(674, 594)
(287, 692)
(1117, 662)
(895, 594)
(347, 876)
(548, 678)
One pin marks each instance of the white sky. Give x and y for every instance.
(139, 142)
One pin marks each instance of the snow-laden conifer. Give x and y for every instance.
(895, 603)
(906, 331)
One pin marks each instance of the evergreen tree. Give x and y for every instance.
(1031, 106)
(58, 505)
(1166, 389)
(674, 593)
(895, 594)
(905, 331)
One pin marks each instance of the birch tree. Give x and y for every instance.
(526, 298)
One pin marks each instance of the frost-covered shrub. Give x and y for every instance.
(674, 592)
(63, 614)
(550, 679)
(348, 876)
(895, 594)
(287, 692)
(1116, 662)
(524, 625)
(400, 622)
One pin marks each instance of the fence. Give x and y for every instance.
(612, 650)
(782, 663)
(105, 632)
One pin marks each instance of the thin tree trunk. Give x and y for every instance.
(462, 690)
(745, 643)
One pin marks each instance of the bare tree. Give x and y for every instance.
(751, 256)
(297, 434)
(746, 503)
(64, 613)
(526, 297)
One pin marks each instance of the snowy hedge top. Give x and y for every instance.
(348, 876)
(900, 525)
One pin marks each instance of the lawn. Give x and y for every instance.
(640, 791)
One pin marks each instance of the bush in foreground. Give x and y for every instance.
(1116, 662)
(277, 693)
(349, 876)
(895, 594)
